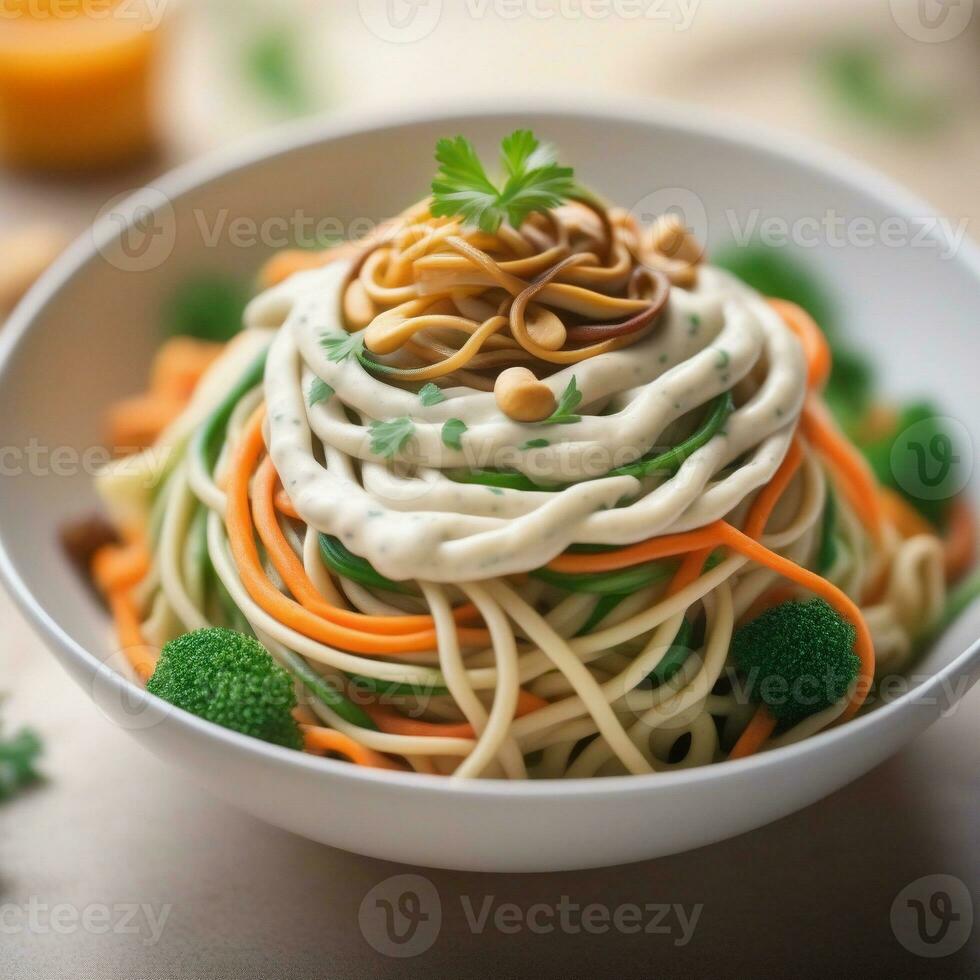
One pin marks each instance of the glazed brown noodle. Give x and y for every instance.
(568, 285)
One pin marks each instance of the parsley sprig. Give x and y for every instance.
(319, 391)
(431, 394)
(533, 181)
(452, 433)
(564, 413)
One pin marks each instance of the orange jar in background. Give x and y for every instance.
(76, 81)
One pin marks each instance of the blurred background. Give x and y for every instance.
(99, 96)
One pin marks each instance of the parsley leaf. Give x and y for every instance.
(564, 414)
(521, 151)
(462, 186)
(431, 395)
(452, 433)
(535, 444)
(340, 346)
(534, 182)
(388, 438)
(320, 391)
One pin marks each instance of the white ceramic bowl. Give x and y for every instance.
(88, 329)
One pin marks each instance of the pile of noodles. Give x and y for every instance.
(434, 585)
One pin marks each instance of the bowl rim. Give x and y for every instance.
(304, 134)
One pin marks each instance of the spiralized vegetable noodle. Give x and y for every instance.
(461, 590)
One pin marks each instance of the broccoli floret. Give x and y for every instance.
(930, 462)
(797, 657)
(230, 679)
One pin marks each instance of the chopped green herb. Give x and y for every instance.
(535, 444)
(389, 438)
(339, 347)
(567, 403)
(431, 395)
(452, 433)
(724, 359)
(534, 182)
(320, 391)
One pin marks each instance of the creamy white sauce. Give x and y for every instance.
(411, 521)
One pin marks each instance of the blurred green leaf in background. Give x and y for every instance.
(861, 80)
(272, 65)
(18, 755)
(775, 272)
(851, 392)
(207, 307)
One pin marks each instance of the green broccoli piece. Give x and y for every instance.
(231, 679)
(931, 462)
(798, 657)
(773, 271)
